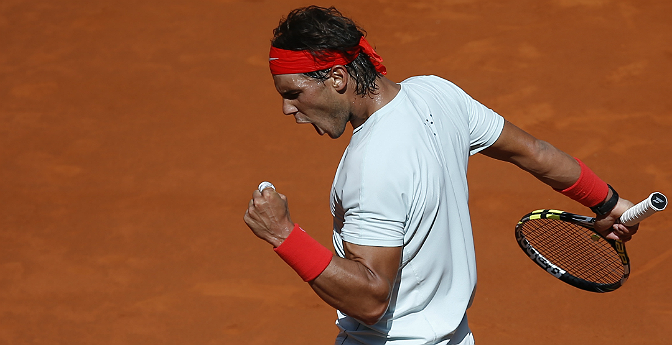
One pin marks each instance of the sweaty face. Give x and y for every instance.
(312, 101)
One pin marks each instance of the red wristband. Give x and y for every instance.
(304, 254)
(589, 189)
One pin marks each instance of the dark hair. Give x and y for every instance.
(318, 29)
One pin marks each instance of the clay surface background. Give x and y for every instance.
(132, 134)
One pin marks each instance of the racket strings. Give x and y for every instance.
(575, 249)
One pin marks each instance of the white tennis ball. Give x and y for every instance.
(265, 185)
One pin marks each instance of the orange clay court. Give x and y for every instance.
(132, 134)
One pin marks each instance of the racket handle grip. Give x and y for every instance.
(654, 203)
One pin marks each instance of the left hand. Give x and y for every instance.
(609, 226)
(267, 216)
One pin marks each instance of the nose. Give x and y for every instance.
(288, 108)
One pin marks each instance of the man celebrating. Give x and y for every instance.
(404, 270)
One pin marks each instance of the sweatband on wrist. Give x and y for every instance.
(304, 254)
(589, 189)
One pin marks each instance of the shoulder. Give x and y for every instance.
(435, 85)
(428, 80)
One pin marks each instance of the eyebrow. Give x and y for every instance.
(290, 93)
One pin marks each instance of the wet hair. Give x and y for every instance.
(318, 29)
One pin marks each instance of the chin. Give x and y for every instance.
(335, 135)
(322, 132)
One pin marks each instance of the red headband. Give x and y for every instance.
(284, 61)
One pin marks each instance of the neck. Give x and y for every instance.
(363, 107)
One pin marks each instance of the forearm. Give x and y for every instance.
(545, 162)
(549, 165)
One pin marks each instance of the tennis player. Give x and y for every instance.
(404, 270)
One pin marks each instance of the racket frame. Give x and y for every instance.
(559, 272)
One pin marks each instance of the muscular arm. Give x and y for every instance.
(555, 168)
(359, 285)
(545, 162)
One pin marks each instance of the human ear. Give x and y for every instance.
(339, 77)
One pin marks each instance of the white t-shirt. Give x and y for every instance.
(402, 181)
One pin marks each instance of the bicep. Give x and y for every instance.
(514, 145)
(381, 263)
(361, 284)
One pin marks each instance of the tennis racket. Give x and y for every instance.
(567, 246)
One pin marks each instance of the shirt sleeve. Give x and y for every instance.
(377, 211)
(376, 198)
(485, 126)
